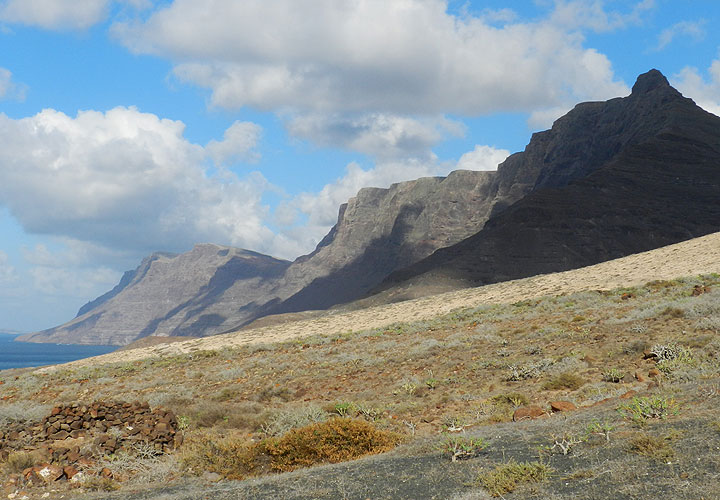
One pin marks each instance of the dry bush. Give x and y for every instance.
(18, 461)
(337, 440)
(655, 447)
(506, 477)
(565, 380)
(231, 456)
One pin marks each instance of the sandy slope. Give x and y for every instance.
(693, 257)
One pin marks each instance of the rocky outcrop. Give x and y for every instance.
(610, 179)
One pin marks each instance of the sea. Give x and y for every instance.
(24, 354)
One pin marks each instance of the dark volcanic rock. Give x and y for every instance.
(611, 179)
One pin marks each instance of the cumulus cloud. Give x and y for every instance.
(10, 89)
(379, 135)
(54, 14)
(482, 158)
(692, 29)
(238, 144)
(706, 93)
(402, 58)
(125, 180)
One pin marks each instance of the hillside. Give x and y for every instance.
(447, 373)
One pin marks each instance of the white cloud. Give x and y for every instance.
(10, 89)
(380, 135)
(482, 158)
(124, 180)
(238, 144)
(403, 58)
(692, 29)
(54, 14)
(705, 93)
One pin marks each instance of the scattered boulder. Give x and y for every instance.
(560, 406)
(528, 412)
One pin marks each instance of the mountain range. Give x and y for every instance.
(608, 179)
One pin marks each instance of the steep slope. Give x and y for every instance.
(657, 183)
(157, 297)
(214, 289)
(381, 230)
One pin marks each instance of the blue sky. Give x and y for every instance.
(132, 126)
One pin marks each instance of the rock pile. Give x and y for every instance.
(111, 427)
(75, 436)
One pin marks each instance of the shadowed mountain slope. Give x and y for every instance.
(657, 183)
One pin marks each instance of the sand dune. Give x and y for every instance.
(689, 258)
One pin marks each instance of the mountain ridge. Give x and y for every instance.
(582, 192)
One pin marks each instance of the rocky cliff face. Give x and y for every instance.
(610, 179)
(167, 295)
(213, 289)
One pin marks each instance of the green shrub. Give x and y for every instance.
(460, 447)
(506, 477)
(613, 375)
(640, 409)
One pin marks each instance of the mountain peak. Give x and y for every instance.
(650, 81)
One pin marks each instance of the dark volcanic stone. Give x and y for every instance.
(656, 183)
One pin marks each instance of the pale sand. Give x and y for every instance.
(690, 258)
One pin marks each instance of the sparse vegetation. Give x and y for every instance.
(646, 407)
(506, 477)
(655, 447)
(238, 408)
(564, 380)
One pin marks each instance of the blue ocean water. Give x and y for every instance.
(24, 354)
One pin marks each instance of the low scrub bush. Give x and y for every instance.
(18, 461)
(613, 375)
(506, 477)
(332, 441)
(461, 447)
(282, 422)
(336, 440)
(565, 380)
(655, 447)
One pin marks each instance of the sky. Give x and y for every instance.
(132, 126)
